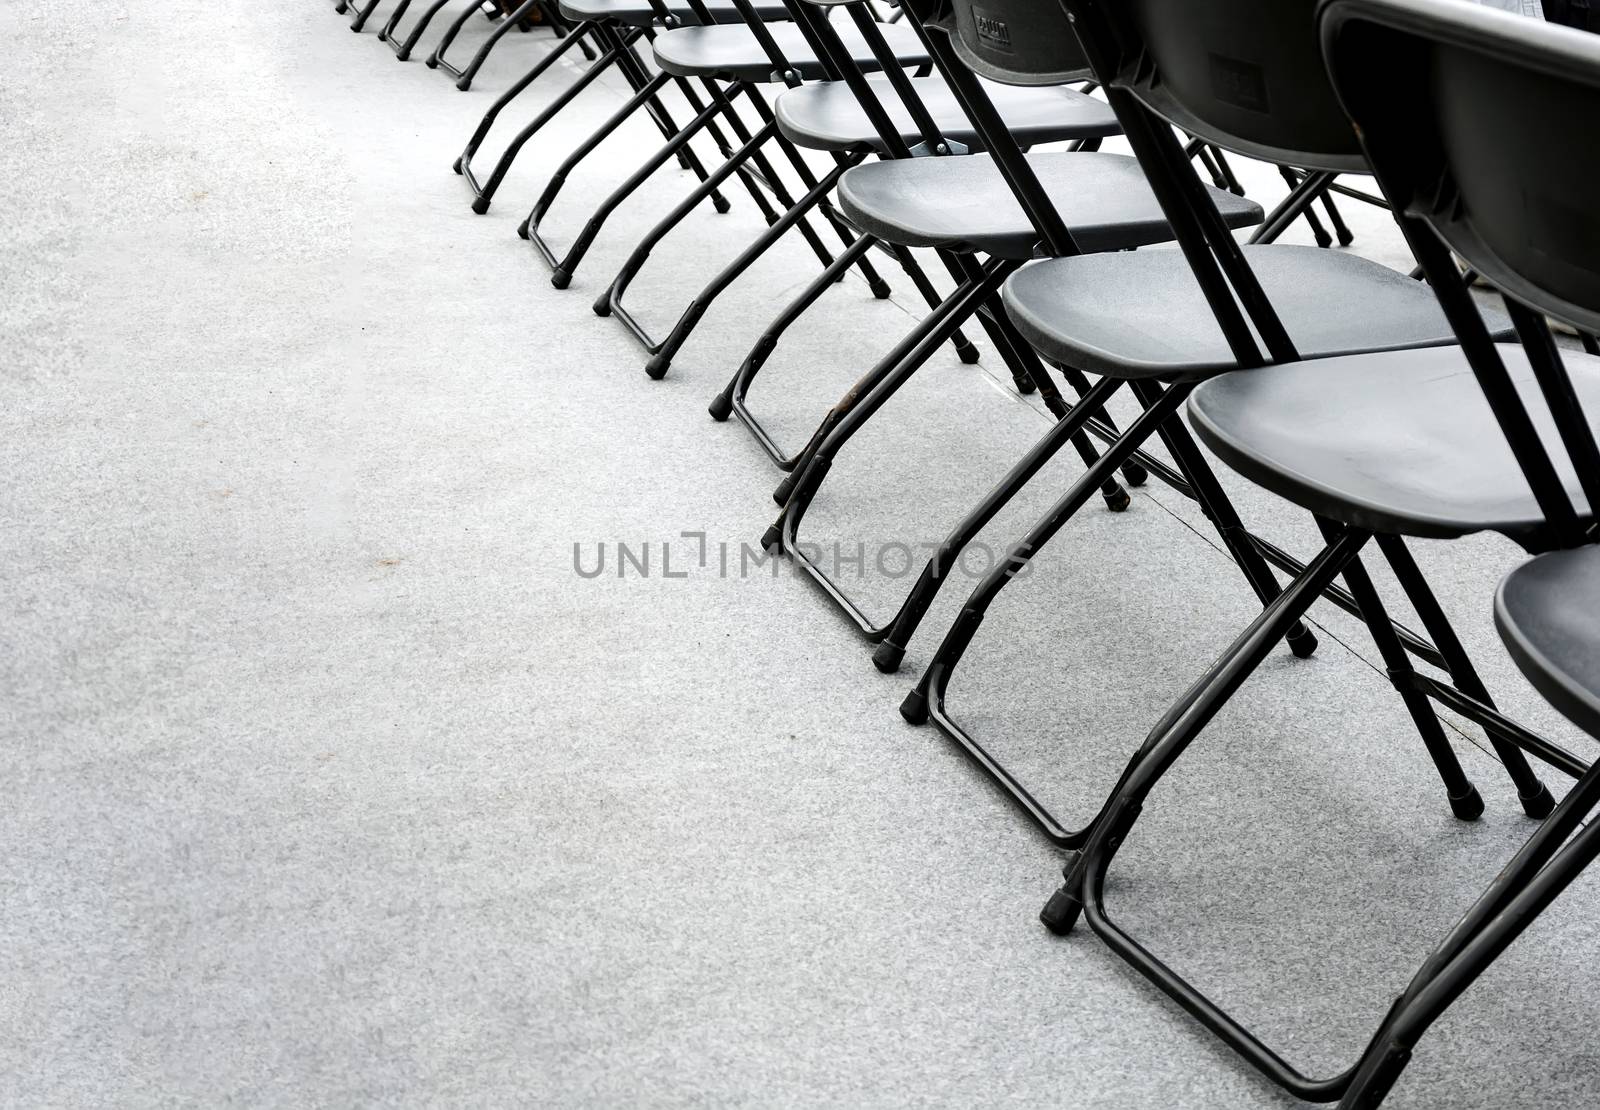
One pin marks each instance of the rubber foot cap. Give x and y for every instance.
(1303, 642)
(1060, 914)
(560, 278)
(1135, 474)
(1539, 806)
(720, 408)
(1118, 501)
(888, 656)
(480, 205)
(1467, 806)
(431, 62)
(968, 353)
(1024, 386)
(771, 538)
(785, 488)
(602, 305)
(657, 367)
(720, 203)
(464, 84)
(881, 290)
(915, 708)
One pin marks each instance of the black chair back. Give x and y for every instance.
(1015, 42)
(1246, 75)
(1476, 125)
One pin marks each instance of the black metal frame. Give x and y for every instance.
(618, 43)
(1541, 869)
(859, 404)
(749, 162)
(829, 55)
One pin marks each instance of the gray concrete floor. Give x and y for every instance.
(327, 780)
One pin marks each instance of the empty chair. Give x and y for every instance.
(1440, 442)
(1161, 322)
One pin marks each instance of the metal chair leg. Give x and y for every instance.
(564, 267)
(483, 193)
(507, 25)
(435, 59)
(360, 20)
(463, 163)
(404, 49)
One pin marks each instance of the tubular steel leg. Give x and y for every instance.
(871, 390)
(435, 59)
(463, 163)
(360, 20)
(1523, 890)
(565, 267)
(731, 401)
(507, 25)
(858, 406)
(1182, 723)
(1532, 793)
(404, 49)
(926, 700)
(610, 300)
(483, 193)
(1298, 201)
(663, 352)
(890, 651)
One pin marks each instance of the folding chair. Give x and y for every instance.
(764, 30)
(1161, 322)
(786, 54)
(896, 116)
(404, 45)
(506, 25)
(1438, 442)
(616, 26)
(1010, 207)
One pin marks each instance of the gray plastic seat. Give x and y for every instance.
(639, 13)
(732, 53)
(827, 115)
(1545, 611)
(1399, 441)
(964, 203)
(1144, 315)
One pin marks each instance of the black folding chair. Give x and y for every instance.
(753, 33)
(900, 116)
(788, 54)
(403, 45)
(616, 26)
(1007, 206)
(1436, 443)
(1163, 321)
(464, 75)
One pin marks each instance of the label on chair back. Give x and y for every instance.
(1241, 84)
(993, 32)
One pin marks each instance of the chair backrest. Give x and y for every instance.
(1246, 75)
(1477, 124)
(1484, 122)
(1016, 42)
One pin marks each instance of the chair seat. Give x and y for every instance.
(639, 13)
(1398, 441)
(1143, 315)
(732, 53)
(827, 115)
(1545, 612)
(963, 203)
